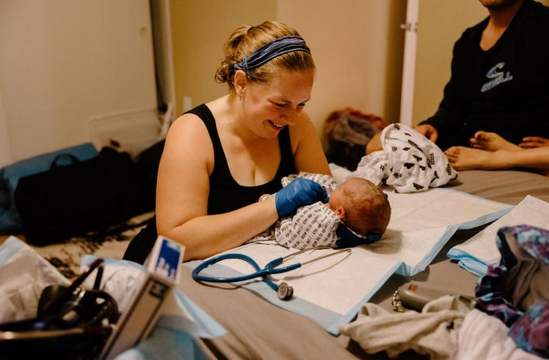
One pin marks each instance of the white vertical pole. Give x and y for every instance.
(166, 48)
(409, 64)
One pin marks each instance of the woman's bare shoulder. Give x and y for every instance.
(187, 125)
(188, 137)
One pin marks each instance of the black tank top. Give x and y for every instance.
(225, 193)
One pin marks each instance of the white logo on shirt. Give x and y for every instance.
(497, 77)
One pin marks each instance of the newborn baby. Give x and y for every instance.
(357, 208)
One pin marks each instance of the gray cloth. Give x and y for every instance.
(484, 337)
(432, 332)
(527, 280)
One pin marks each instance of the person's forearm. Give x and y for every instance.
(208, 235)
(537, 158)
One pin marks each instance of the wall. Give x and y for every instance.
(5, 149)
(440, 25)
(358, 49)
(200, 29)
(357, 46)
(63, 62)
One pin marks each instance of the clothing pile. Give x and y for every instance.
(24, 275)
(516, 290)
(511, 319)
(433, 331)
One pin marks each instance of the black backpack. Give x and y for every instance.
(85, 196)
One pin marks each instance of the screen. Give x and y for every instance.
(167, 257)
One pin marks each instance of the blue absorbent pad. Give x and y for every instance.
(332, 295)
(468, 262)
(480, 251)
(329, 320)
(166, 342)
(408, 270)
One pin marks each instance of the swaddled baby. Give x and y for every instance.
(406, 160)
(357, 209)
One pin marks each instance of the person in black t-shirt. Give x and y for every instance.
(498, 85)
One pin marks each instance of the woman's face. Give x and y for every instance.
(270, 107)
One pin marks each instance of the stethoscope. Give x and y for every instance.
(283, 291)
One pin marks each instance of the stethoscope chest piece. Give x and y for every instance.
(284, 291)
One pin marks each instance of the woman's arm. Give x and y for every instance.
(308, 153)
(182, 196)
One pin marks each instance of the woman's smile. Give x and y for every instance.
(275, 125)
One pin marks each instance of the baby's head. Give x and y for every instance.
(361, 206)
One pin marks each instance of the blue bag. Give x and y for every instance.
(10, 175)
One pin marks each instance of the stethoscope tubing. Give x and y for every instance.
(269, 269)
(284, 291)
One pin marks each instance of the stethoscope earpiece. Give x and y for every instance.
(284, 291)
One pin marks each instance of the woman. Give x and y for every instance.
(220, 157)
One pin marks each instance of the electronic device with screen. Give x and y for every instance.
(163, 268)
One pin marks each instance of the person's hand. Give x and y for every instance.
(374, 144)
(298, 193)
(429, 131)
(530, 142)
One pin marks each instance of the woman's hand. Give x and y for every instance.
(298, 193)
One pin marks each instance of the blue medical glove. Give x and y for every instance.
(298, 193)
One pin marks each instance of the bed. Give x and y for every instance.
(258, 329)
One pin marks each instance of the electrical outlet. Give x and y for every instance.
(187, 103)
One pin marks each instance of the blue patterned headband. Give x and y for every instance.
(270, 51)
